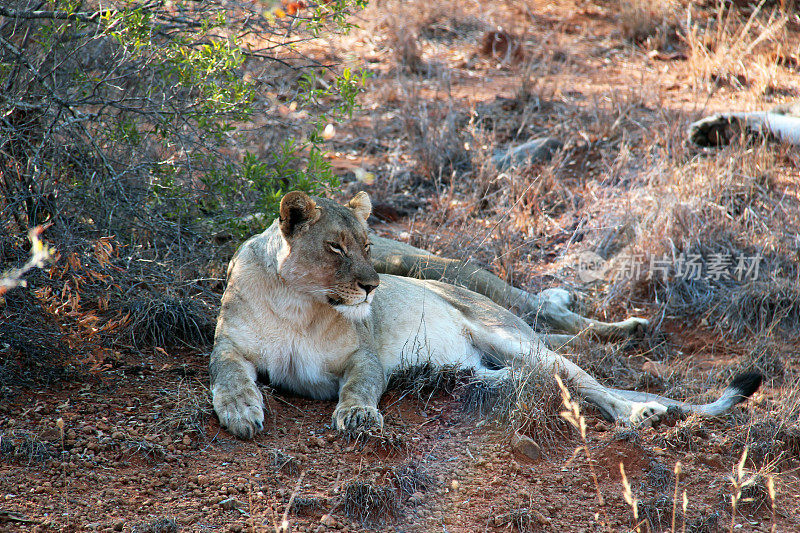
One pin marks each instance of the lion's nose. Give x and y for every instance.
(368, 287)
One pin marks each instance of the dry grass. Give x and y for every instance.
(308, 505)
(159, 525)
(651, 24)
(528, 403)
(184, 407)
(26, 446)
(727, 209)
(729, 49)
(411, 477)
(167, 322)
(531, 405)
(369, 503)
(433, 128)
(412, 32)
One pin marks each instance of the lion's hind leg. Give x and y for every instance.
(518, 347)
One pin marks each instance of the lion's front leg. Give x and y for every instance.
(362, 386)
(236, 398)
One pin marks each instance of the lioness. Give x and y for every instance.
(305, 305)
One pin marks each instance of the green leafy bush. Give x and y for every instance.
(131, 120)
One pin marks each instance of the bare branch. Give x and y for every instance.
(65, 15)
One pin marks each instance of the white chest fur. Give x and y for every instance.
(300, 344)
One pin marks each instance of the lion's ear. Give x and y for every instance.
(362, 205)
(297, 208)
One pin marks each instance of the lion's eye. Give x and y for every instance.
(336, 248)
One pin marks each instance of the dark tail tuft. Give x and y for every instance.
(746, 384)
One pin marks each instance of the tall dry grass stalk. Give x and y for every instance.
(630, 499)
(572, 414)
(678, 469)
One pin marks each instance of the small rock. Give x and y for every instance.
(187, 440)
(235, 528)
(526, 446)
(455, 485)
(202, 480)
(534, 151)
(713, 460)
(231, 503)
(118, 525)
(416, 498)
(540, 517)
(327, 520)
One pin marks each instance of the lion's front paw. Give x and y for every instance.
(240, 410)
(357, 418)
(646, 413)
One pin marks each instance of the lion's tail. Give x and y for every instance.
(741, 387)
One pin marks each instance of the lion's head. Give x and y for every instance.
(328, 251)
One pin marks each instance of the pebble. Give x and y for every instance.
(416, 498)
(713, 460)
(231, 503)
(526, 446)
(327, 520)
(533, 151)
(543, 520)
